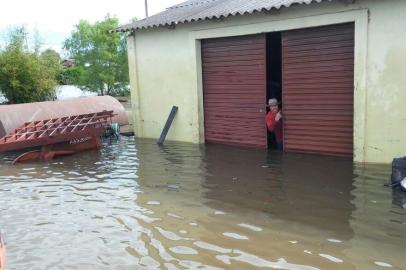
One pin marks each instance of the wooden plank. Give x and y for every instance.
(168, 124)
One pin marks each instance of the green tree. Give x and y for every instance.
(100, 57)
(26, 76)
(52, 57)
(69, 75)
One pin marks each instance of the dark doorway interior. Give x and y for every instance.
(274, 74)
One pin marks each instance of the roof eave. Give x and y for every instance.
(128, 28)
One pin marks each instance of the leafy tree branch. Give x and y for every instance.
(100, 57)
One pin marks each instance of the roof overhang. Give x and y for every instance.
(202, 10)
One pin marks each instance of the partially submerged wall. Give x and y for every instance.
(165, 70)
(386, 82)
(162, 73)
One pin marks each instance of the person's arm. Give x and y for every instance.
(278, 116)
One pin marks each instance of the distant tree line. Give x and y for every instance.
(100, 63)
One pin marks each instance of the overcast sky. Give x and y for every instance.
(55, 19)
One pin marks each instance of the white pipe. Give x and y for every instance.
(146, 8)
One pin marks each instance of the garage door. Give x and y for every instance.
(234, 87)
(318, 89)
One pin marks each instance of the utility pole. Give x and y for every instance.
(146, 8)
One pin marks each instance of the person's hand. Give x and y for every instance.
(278, 116)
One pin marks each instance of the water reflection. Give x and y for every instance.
(138, 205)
(313, 190)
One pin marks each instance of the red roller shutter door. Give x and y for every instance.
(234, 88)
(318, 89)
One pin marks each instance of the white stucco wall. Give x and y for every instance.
(165, 77)
(385, 135)
(165, 70)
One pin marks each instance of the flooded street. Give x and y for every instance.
(135, 205)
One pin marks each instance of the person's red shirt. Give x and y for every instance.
(274, 126)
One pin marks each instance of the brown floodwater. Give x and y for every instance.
(135, 205)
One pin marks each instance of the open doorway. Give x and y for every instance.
(274, 83)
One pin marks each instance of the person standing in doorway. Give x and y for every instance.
(273, 121)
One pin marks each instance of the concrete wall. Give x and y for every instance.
(165, 70)
(162, 75)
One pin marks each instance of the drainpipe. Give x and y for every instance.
(146, 8)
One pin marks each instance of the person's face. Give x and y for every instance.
(274, 108)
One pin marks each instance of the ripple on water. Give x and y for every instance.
(334, 240)
(188, 264)
(169, 235)
(256, 261)
(170, 266)
(150, 262)
(235, 236)
(175, 216)
(162, 250)
(211, 247)
(251, 227)
(331, 258)
(153, 203)
(383, 264)
(183, 250)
